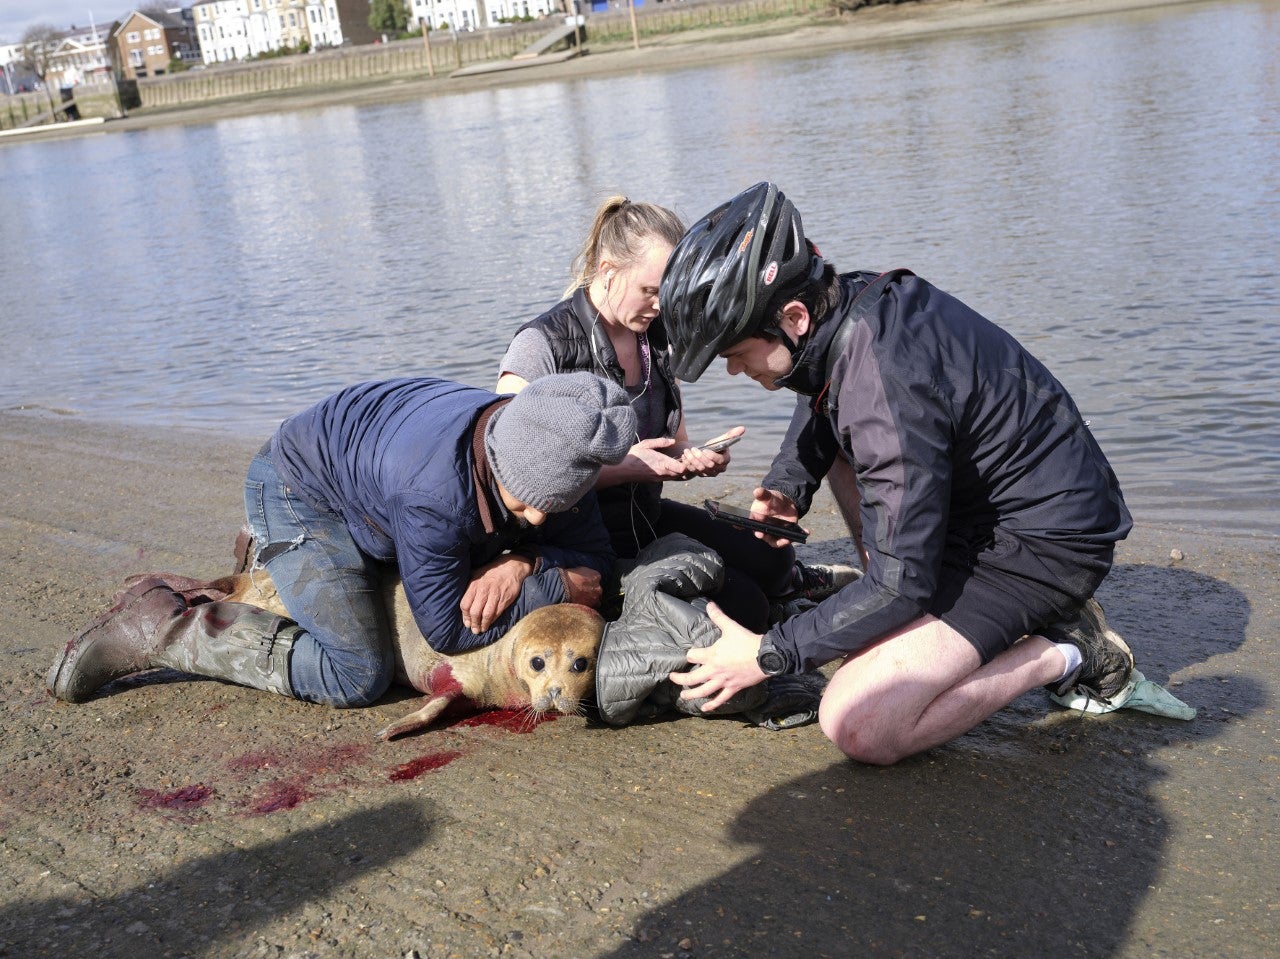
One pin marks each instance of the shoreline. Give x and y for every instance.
(886, 23)
(1243, 527)
(40, 427)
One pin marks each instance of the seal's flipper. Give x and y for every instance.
(419, 719)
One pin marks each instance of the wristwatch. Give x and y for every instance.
(770, 659)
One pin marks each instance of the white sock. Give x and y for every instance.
(1072, 655)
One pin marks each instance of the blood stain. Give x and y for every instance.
(188, 797)
(285, 794)
(334, 759)
(442, 682)
(423, 764)
(512, 720)
(251, 761)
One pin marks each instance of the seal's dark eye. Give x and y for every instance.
(579, 665)
(538, 664)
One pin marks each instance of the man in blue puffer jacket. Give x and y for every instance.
(483, 503)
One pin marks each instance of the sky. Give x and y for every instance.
(17, 15)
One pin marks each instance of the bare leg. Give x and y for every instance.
(843, 484)
(924, 686)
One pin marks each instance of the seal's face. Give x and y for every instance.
(554, 656)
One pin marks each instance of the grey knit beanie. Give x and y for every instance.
(547, 445)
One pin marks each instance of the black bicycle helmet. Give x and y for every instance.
(722, 275)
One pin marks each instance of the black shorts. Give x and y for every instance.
(997, 586)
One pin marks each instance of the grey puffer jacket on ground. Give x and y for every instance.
(663, 617)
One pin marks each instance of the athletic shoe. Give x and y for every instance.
(1108, 661)
(817, 581)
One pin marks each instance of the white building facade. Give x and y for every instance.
(81, 57)
(238, 29)
(323, 23)
(501, 11)
(222, 27)
(472, 14)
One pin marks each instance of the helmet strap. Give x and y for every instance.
(792, 345)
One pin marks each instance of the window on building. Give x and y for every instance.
(135, 57)
(133, 36)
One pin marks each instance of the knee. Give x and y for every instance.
(356, 688)
(355, 697)
(856, 734)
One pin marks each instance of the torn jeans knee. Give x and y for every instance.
(271, 550)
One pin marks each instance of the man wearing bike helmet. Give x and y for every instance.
(983, 509)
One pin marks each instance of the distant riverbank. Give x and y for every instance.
(782, 37)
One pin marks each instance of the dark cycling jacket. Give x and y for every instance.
(952, 428)
(395, 460)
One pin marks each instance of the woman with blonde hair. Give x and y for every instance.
(608, 324)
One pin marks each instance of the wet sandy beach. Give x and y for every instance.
(192, 818)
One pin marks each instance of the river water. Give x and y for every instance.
(1106, 188)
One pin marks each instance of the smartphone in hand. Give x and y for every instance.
(736, 516)
(720, 445)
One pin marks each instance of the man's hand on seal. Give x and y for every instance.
(492, 590)
(725, 667)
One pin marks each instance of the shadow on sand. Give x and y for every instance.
(219, 898)
(1038, 836)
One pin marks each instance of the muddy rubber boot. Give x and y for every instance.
(150, 625)
(233, 641)
(118, 643)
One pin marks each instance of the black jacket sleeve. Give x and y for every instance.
(807, 452)
(898, 429)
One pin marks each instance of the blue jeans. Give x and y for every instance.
(331, 589)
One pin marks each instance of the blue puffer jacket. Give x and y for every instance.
(395, 460)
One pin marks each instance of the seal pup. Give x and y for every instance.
(545, 663)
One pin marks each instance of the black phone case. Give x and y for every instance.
(794, 533)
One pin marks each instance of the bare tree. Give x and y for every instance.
(36, 49)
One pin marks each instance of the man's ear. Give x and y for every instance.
(795, 320)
